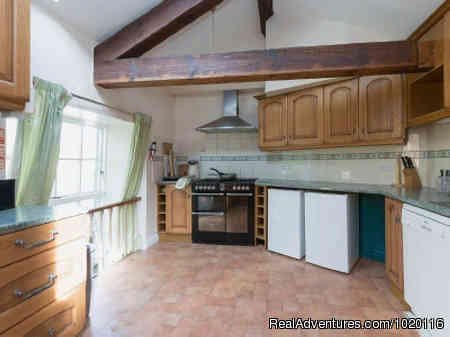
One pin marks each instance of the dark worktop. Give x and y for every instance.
(20, 218)
(427, 198)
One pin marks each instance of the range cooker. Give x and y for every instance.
(222, 211)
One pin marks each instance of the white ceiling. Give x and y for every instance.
(98, 19)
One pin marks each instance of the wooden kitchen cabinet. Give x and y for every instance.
(14, 54)
(273, 122)
(381, 109)
(394, 244)
(43, 275)
(344, 112)
(178, 210)
(341, 112)
(305, 118)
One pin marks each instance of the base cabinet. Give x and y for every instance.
(394, 244)
(43, 279)
(178, 211)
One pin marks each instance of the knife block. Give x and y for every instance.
(411, 178)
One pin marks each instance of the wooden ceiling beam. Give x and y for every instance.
(152, 28)
(265, 8)
(261, 65)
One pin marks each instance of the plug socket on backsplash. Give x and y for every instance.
(346, 175)
(285, 170)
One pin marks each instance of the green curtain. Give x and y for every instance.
(40, 148)
(126, 229)
(22, 133)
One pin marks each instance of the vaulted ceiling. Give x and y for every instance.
(99, 19)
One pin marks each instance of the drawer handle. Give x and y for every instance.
(51, 332)
(26, 295)
(22, 243)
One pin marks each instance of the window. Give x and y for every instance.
(80, 171)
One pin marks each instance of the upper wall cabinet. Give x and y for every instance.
(273, 122)
(381, 106)
(305, 117)
(350, 112)
(429, 93)
(341, 112)
(14, 54)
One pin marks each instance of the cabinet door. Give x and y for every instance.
(305, 118)
(381, 108)
(14, 53)
(394, 243)
(272, 122)
(178, 210)
(341, 112)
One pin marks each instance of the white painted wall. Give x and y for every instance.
(63, 55)
(233, 26)
(192, 111)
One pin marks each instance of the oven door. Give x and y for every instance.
(209, 227)
(240, 218)
(208, 202)
(239, 207)
(210, 221)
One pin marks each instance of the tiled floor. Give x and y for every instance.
(186, 290)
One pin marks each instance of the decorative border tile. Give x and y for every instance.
(433, 154)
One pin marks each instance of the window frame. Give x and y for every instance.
(100, 161)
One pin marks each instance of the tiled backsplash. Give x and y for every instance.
(429, 146)
(239, 153)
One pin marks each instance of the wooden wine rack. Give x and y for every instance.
(161, 208)
(261, 215)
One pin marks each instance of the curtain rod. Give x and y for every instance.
(90, 100)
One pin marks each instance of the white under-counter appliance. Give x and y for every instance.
(286, 224)
(332, 230)
(426, 254)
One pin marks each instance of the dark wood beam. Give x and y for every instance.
(153, 28)
(265, 8)
(261, 65)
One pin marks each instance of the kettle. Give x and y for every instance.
(194, 169)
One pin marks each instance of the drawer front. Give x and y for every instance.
(63, 318)
(29, 285)
(19, 245)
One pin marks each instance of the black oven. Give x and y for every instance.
(221, 214)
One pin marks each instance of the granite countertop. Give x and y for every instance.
(427, 198)
(20, 218)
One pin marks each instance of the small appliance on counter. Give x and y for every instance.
(194, 169)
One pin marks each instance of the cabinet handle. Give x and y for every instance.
(51, 332)
(398, 219)
(26, 295)
(23, 244)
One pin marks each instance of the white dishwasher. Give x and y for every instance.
(286, 224)
(426, 254)
(332, 230)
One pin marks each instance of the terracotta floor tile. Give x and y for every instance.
(188, 290)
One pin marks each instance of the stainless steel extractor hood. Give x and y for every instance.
(230, 122)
